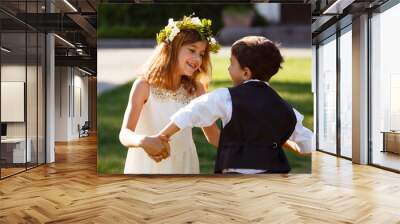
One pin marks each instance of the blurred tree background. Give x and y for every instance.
(145, 20)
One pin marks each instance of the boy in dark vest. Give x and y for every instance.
(256, 121)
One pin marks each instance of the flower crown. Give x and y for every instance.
(203, 27)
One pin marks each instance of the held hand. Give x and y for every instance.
(155, 147)
(167, 148)
(165, 153)
(165, 138)
(292, 146)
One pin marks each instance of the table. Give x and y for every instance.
(13, 150)
(391, 141)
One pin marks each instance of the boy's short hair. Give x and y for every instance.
(259, 54)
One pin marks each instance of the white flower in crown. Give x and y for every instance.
(171, 22)
(174, 29)
(174, 32)
(213, 41)
(196, 21)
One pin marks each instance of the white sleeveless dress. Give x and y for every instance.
(156, 112)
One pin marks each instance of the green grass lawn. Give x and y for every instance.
(293, 83)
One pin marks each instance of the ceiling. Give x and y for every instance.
(74, 22)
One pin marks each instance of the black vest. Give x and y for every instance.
(261, 122)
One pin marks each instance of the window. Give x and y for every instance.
(327, 95)
(346, 75)
(385, 88)
(22, 101)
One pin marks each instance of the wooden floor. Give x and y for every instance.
(388, 159)
(70, 191)
(10, 171)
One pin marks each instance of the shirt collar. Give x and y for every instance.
(255, 80)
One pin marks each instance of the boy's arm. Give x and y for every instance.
(301, 139)
(212, 133)
(169, 130)
(203, 111)
(200, 112)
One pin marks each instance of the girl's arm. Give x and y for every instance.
(212, 132)
(292, 146)
(151, 144)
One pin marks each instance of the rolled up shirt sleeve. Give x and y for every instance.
(302, 135)
(204, 110)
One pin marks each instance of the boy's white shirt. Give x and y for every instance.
(204, 110)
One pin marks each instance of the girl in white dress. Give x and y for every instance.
(176, 74)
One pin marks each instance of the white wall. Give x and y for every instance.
(71, 94)
(32, 125)
(12, 101)
(62, 80)
(14, 73)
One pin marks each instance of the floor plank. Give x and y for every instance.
(70, 191)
